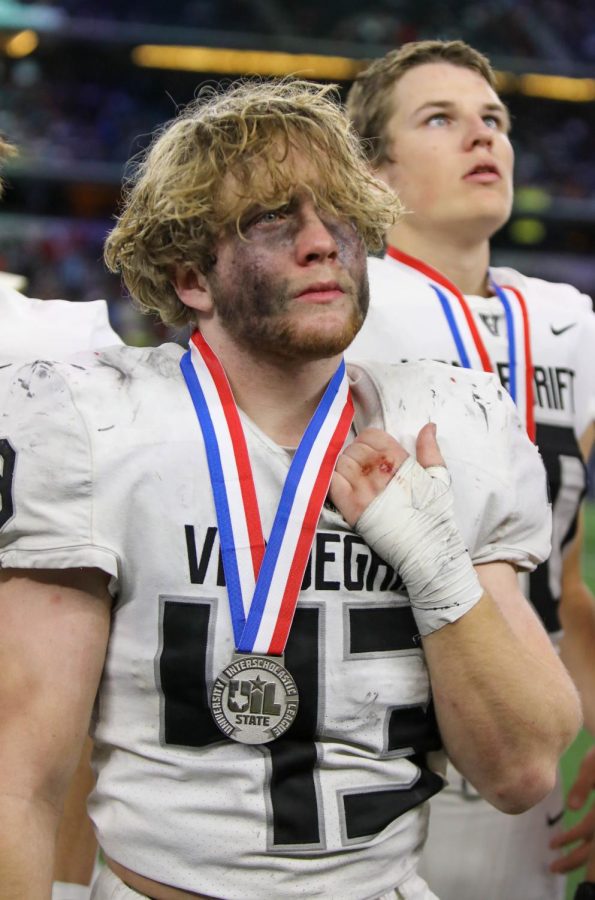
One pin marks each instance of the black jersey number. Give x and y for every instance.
(187, 719)
(566, 475)
(7, 461)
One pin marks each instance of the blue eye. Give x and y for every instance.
(269, 216)
(437, 120)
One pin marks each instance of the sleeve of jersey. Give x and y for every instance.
(516, 521)
(47, 516)
(102, 335)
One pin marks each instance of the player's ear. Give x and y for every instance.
(192, 287)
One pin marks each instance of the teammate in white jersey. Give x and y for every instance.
(137, 493)
(51, 329)
(438, 135)
(47, 328)
(55, 329)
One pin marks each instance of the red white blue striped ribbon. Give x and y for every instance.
(470, 347)
(263, 584)
(520, 364)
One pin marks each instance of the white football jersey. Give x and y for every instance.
(50, 329)
(116, 477)
(405, 322)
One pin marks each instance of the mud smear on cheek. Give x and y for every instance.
(351, 247)
(353, 258)
(248, 294)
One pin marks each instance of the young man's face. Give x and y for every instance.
(295, 285)
(450, 156)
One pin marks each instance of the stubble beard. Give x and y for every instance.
(257, 319)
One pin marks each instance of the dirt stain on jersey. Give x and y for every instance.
(163, 362)
(41, 369)
(478, 402)
(122, 374)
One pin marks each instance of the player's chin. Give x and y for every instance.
(324, 339)
(496, 203)
(484, 219)
(345, 315)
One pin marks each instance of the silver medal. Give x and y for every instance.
(254, 699)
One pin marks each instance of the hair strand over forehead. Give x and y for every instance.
(254, 136)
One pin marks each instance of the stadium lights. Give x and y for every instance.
(246, 62)
(558, 87)
(527, 231)
(21, 44)
(227, 61)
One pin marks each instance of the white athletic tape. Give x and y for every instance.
(66, 891)
(411, 526)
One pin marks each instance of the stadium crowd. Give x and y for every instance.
(537, 28)
(75, 133)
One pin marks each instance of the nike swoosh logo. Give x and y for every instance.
(564, 328)
(553, 820)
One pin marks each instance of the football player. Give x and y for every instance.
(280, 576)
(438, 135)
(55, 329)
(47, 328)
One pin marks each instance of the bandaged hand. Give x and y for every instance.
(63, 891)
(403, 508)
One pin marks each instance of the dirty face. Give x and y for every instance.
(293, 282)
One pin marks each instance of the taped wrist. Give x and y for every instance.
(62, 890)
(411, 526)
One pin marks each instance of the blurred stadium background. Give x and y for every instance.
(84, 82)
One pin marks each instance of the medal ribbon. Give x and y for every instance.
(470, 347)
(263, 584)
(520, 363)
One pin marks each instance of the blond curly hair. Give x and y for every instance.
(248, 134)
